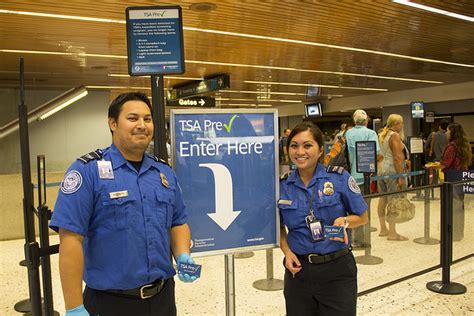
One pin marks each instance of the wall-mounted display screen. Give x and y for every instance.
(417, 109)
(313, 109)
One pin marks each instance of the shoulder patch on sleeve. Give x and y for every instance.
(72, 182)
(285, 176)
(93, 155)
(335, 169)
(352, 184)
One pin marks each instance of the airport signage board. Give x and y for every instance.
(200, 102)
(155, 40)
(366, 156)
(199, 87)
(226, 162)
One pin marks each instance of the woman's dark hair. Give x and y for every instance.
(313, 129)
(463, 148)
(116, 106)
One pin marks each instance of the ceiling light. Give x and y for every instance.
(62, 101)
(225, 64)
(435, 10)
(259, 92)
(277, 39)
(247, 104)
(315, 85)
(46, 109)
(117, 87)
(165, 77)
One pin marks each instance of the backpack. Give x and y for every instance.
(338, 155)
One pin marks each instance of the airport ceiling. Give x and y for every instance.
(276, 52)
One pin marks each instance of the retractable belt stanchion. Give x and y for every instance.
(426, 239)
(367, 258)
(445, 286)
(243, 255)
(229, 285)
(269, 284)
(418, 179)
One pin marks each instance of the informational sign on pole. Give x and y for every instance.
(155, 40)
(416, 145)
(461, 175)
(226, 163)
(366, 156)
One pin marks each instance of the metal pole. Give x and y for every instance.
(445, 286)
(269, 284)
(426, 239)
(31, 246)
(159, 120)
(367, 258)
(43, 212)
(229, 285)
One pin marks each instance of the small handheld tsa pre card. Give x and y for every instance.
(190, 269)
(333, 231)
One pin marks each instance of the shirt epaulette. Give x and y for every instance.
(93, 155)
(161, 160)
(335, 169)
(285, 175)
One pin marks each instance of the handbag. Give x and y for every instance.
(400, 210)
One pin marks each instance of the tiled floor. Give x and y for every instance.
(206, 296)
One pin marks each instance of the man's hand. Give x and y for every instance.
(77, 311)
(185, 258)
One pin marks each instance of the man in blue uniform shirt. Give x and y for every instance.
(120, 217)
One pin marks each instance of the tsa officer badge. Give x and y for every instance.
(164, 181)
(328, 188)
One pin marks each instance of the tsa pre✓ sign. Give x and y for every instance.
(226, 165)
(155, 40)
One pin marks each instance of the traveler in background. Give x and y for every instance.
(438, 141)
(321, 274)
(284, 159)
(393, 151)
(359, 132)
(120, 217)
(457, 156)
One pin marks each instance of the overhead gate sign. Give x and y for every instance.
(226, 163)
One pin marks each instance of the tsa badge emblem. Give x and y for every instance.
(72, 182)
(164, 181)
(328, 188)
(352, 183)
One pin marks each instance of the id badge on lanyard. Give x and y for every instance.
(315, 225)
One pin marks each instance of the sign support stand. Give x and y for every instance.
(229, 285)
(269, 284)
(367, 258)
(159, 121)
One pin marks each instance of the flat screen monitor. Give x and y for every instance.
(313, 109)
(417, 109)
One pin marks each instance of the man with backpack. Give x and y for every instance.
(359, 132)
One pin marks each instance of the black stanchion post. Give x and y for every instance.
(159, 121)
(31, 246)
(426, 239)
(270, 283)
(445, 286)
(367, 258)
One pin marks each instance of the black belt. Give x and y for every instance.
(142, 292)
(317, 258)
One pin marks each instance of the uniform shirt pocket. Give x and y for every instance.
(116, 210)
(165, 206)
(289, 214)
(330, 208)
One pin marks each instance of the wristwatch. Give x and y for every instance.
(346, 222)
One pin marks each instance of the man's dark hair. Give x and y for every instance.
(443, 124)
(116, 106)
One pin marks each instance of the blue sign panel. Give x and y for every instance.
(226, 164)
(461, 175)
(155, 40)
(366, 157)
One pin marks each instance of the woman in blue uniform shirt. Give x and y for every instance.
(321, 274)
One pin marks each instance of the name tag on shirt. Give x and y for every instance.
(190, 269)
(333, 232)
(105, 169)
(285, 202)
(118, 194)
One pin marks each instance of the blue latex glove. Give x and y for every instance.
(77, 311)
(185, 258)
